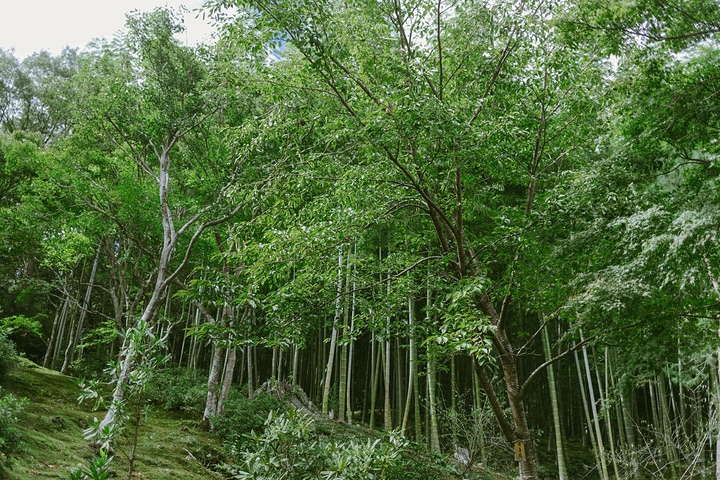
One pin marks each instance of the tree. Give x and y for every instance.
(143, 96)
(474, 157)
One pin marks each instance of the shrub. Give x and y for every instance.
(9, 435)
(97, 469)
(291, 448)
(177, 388)
(8, 356)
(243, 415)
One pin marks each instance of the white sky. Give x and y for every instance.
(33, 25)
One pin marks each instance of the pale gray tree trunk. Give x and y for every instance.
(76, 332)
(374, 376)
(586, 409)
(59, 319)
(350, 355)
(432, 384)
(411, 375)
(343, 388)
(596, 418)
(716, 288)
(387, 415)
(230, 363)
(560, 451)
(333, 339)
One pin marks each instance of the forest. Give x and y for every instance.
(483, 231)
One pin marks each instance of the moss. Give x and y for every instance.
(52, 426)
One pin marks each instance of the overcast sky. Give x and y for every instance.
(33, 25)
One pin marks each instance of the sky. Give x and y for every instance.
(29, 26)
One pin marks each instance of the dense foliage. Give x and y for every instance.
(404, 212)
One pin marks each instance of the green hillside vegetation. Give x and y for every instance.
(51, 425)
(487, 231)
(172, 443)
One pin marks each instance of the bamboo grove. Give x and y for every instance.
(492, 226)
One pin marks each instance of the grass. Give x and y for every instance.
(170, 445)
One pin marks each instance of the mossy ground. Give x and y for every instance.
(170, 445)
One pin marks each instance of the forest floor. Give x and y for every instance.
(170, 446)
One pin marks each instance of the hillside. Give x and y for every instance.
(170, 446)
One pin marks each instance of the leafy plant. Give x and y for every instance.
(10, 440)
(243, 415)
(178, 389)
(96, 469)
(291, 448)
(8, 356)
(22, 325)
(141, 343)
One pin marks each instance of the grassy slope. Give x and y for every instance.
(170, 445)
(52, 422)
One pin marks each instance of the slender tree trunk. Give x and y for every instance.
(432, 401)
(212, 385)
(605, 403)
(411, 374)
(61, 331)
(453, 401)
(274, 364)
(59, 313)
(211, 402)
(432, 383)
(375, 377)
(559, 450)
(350, 356)
(333, 339)
(596, 419)
(387, 416)
(342, 387)
(250, 375)
(72, 330)
(227, 380)
(714, 281)
(296, 353)
(416, 384)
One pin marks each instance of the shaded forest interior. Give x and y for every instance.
(488, 227)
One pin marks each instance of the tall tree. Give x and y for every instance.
(473, 156)
(145, 96)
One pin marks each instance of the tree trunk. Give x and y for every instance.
(432, 384)
(596, 418)
(350, 357)
(250, 375)
(411, 374)
(60, 313)
(375, 376)
(342, 387)
(211, 400)
(387, 416)
(559, 450)
(227, 380)
(296, 352)
(333, 339)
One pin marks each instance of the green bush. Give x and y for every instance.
(8, 356)
(291, 448)
(243, 415)
(10, 441)
(179, 389)
(97, 469)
